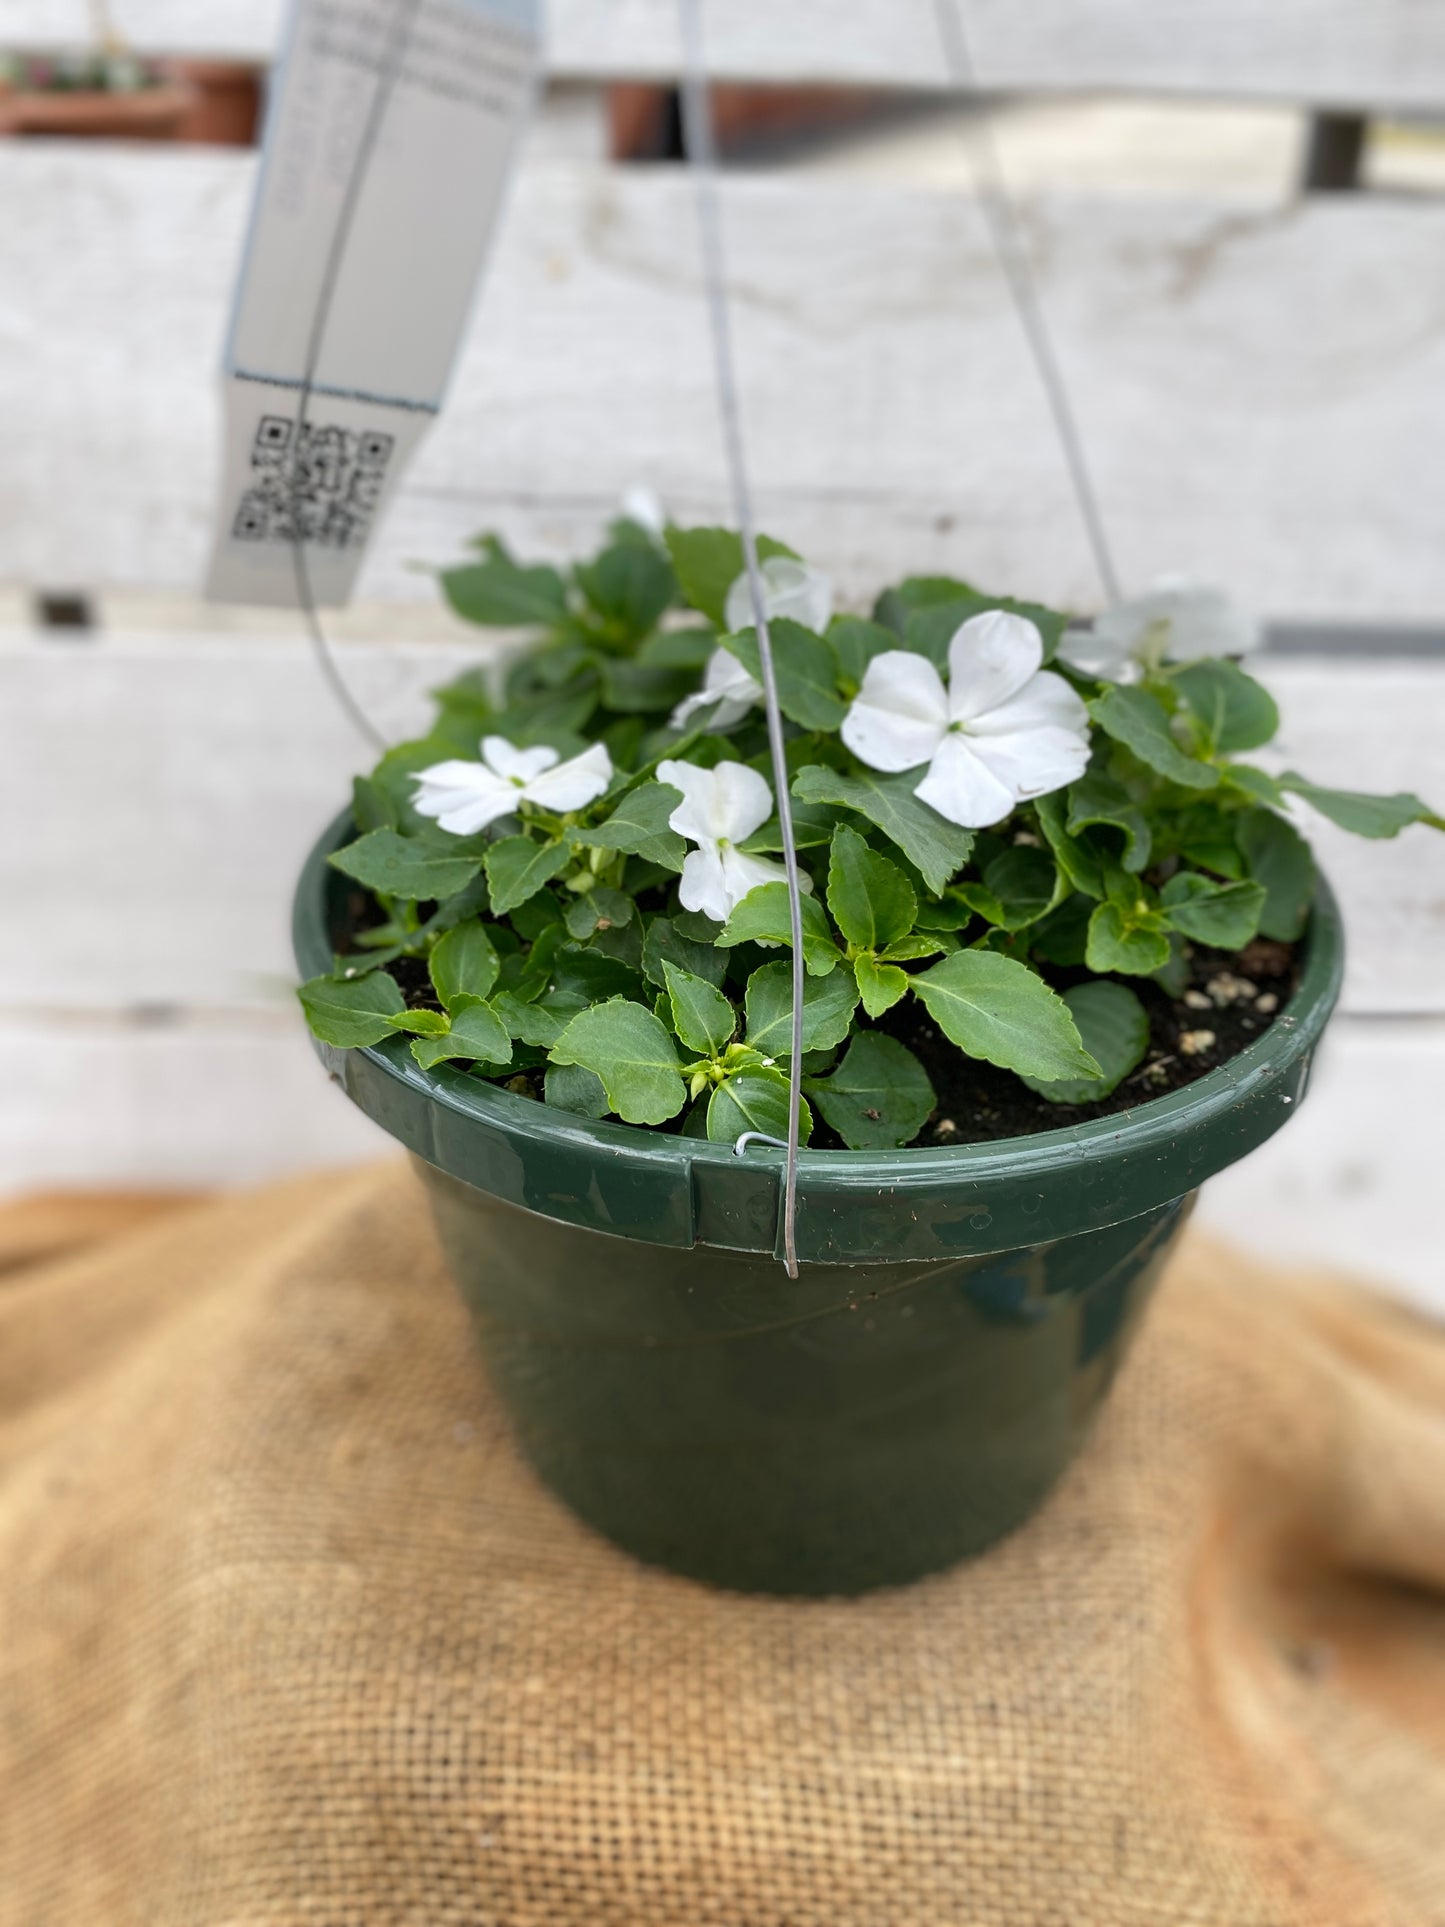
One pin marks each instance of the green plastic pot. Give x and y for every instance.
(908, 1400)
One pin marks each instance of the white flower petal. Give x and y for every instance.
(790, 588)
(1032, 762)
(693, 816)
(742, 801)
(960, 786)
(703, 885)
(519, 764)
(728, 685)
(743, 873)
(463, 797)
(643, 506)
(990, 659)
(1046, 701)
(1178, 619)
(900, 715)
(1105, 657)
(572, 785)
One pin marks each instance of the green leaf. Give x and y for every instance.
(755, 1099)
(689, 649)
(1096, 799)
(401, 866)
(602, 908)
(806, 671)
(637, 689)
(828, 1007)
(880, 985)
(354, 1012)
(517, 868)
(477, 1033)
(1063, 937)
(423, 1023)
(627, 1047)
(1114, 1027)
(935, 847)
(997, 1009)
(539, 1024)
(855, 643)
(709, 561)
(1234, 710)
(929, 631)
(464, 966)
(1025, 883)
(763, 917)
(701, 1015)
(1224, 915)
(568, 1087)
(813, 824)
(665, 943)
(1075, 859)
(1281, 860)
(638, 826)
(1252, 782)
(499, 594)
(871, 900)
(1134, 946)
(373, 805)
(1139, 721)
(629, 585)
(1360, 814)
(879, 1097)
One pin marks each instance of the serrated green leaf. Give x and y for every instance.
(402, 866)
(585, 971)
(1234, 711)
(639, 827)
(422, 1023)
(601, 908)
(1077, 861)
(709, 561)
(1139, 721)
(701, 1015)
(878, 1098)
(828, 1006)
(763, 917)
(373, 805)
(500, 594)
(935, 847)
(464, 966)
(625, 1045)
(1361, 814)
(664, 943)
(805, 667)
(1098, 800)
(813, 824)
(871, 900)
(1025, 882)
(629, 585)
(997, 1009)
(517, 868)
(1114, 1027)
(754, 1100)
(1063, 937)
(1135, 947)
(568, 1087)
(354, 1012)
(477, 1033)
(1281, 860)
(1224, 915)
(539, 1024)
(880, 985)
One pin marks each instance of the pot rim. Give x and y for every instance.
(853, 1206)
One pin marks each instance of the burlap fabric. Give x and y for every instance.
(288, 1635)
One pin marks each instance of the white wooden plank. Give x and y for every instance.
(169, 789)
(1263, 392)
(1368, 52)
(1352, 1184)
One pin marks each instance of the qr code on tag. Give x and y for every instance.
(322, 487)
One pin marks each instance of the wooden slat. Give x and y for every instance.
(1348, 52)
(1263, 390)
(169, 789)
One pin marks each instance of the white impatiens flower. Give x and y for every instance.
(643, 505)
(720, 808)
(790, 589)
(1003, 731)
(1177, 620)
(466, 797)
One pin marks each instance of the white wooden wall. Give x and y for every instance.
(1373, 53)
(1262, 389)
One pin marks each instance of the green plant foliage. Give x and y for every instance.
(562, 954)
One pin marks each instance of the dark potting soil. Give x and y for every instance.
(1231, 999)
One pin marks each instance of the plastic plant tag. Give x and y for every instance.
(387, 152)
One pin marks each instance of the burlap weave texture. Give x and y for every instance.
(288, 1635)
